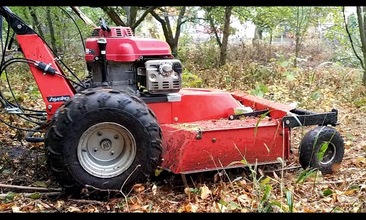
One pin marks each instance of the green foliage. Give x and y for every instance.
(267, 18)
(259, 90)
(290, 201)
(360, 102)
(194, 190)
(327, 192)
(305, 174)
(9, 197)
(323, 149)
(191, 80)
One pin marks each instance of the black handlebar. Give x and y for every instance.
(16, 23)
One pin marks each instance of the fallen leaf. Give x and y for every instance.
(16, 209)
(134, 207)
(4, 207)
(205, 192)
(138, 188)
(190, 207)
(73, 209)
(244, 199)
(154, 189)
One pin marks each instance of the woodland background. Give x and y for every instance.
(312, 56)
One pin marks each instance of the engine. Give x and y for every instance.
(116, 58)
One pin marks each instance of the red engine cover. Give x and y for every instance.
(122, 46)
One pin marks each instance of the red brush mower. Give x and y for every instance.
(132, 116)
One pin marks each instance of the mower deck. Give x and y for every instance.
(199, 136)
(218, 144)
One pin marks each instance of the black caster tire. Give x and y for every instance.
(322, 148)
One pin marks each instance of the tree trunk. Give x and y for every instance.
(52, 30)
(302, 23)
(137, 22)
(258, 35)
(112, 14)
(131, 14)
(226, 34)
(171, 39)
(361, 18)
(297, 47)
(36, 24)
(213, 28)
(270, 37)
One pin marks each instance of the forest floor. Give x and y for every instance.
(26, 184)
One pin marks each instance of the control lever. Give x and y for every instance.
(103, 25)
(102, 43)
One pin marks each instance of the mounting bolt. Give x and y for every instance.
(19, 26)
(199, 134)
(175, 119)
(287, 122)
(112, 153)
(49, 107)
(213, 140)
(95, 149)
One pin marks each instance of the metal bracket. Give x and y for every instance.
(305, 118)
(249, 114)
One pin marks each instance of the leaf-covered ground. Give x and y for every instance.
(27, 186)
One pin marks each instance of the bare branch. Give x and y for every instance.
(113, 15)
(30, 188)
(138, 22)
(82, 16)
(350, 38)
(179, 22)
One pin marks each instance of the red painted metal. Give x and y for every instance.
(124, 48)
(218, 144)
(277, 110)
(195, 105)
(197, 135)
(33, 47)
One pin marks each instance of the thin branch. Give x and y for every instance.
(138, 22)
(87, 201)
(163, 24)
(113, 15)
(335, 182)
(350, 37)
(82, 16)
(361, 27)
(45, 194)
(30, 188)
(212, 25)
(179, 23)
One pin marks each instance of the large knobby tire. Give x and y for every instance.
(105, 139)
(322, 148)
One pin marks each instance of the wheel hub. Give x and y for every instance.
(106, 149)
(106, 144)
(329, 154)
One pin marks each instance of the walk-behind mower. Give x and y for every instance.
(132, 116)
